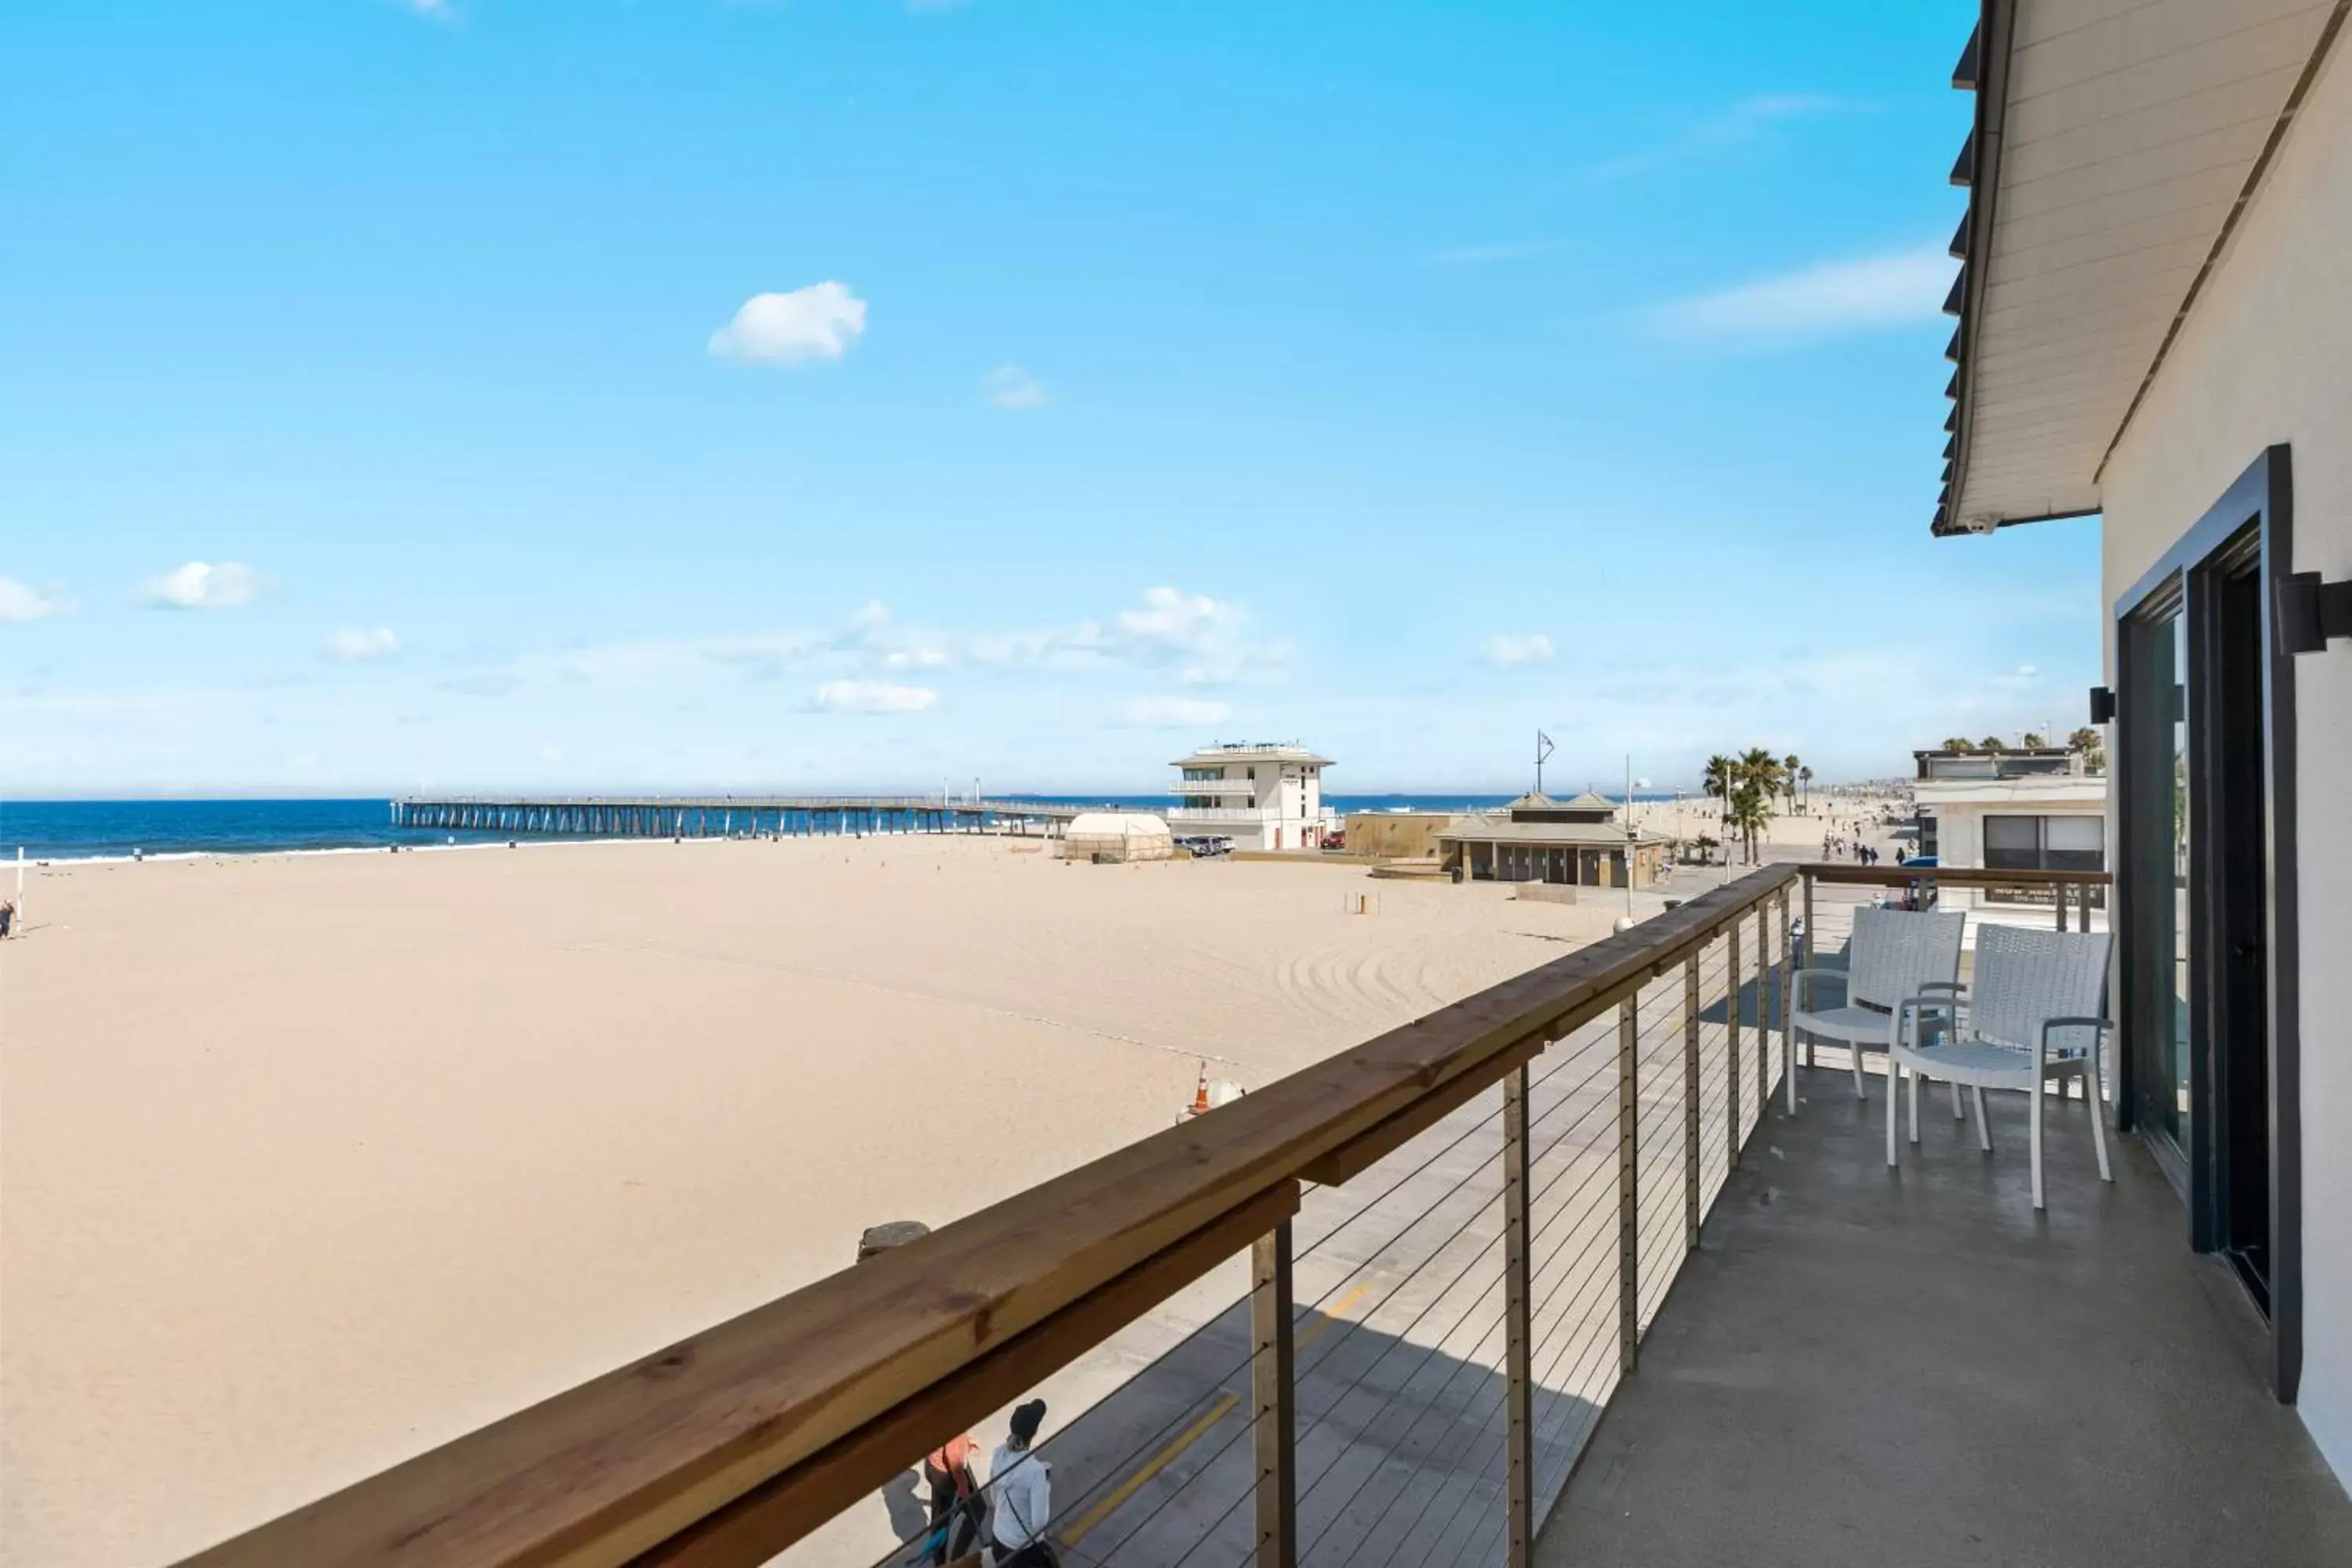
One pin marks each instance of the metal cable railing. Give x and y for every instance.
(1457, 1234)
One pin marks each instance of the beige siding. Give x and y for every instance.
(2267, 357)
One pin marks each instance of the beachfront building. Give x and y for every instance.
(2017, 762)
(1262, 796)
(2155, 322)
(1535, 838)
(2048, 822)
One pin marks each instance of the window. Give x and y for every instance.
(1926, 833)
(2045, 843)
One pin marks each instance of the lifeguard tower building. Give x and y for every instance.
(1262, 796)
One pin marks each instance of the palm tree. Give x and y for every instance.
(1759, 782)
(1993, 743)
(1959, 744)
(2031, 741)
(1719, 784)
(1805, 778)
(2087, 741)
(1788, 767)
(1751, 814)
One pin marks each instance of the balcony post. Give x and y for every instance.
(1731, 1017)
(2058, 890)
(1519, 1337)
(1785, 989)
(1273, 1385)
(1690, 1105)
(1813, 937)
(1763, 1009)
(1628, 1187)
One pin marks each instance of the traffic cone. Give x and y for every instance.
(1201, 1094)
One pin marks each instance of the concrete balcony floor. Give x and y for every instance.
(1911, 1367)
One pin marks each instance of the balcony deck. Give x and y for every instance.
(1865, 1367)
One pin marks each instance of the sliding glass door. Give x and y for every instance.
(2159, 873)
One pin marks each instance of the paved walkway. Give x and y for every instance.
(1874, 1367)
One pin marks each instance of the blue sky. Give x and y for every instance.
(847, 393)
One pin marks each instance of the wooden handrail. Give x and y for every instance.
(770, 1408)
(1953, 875)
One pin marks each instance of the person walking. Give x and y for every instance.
(1024, 1495)
(958, 1516)
(8, 917)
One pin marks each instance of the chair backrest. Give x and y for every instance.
(1896, 951)
(2024, 976)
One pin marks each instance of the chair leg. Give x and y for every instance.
(1915, 1102)
(1893, 1075)
(2098, 1118)
(1854, 1047)
(1955, 1087)
(2036, 1137)
(1984, 1123)
(1788, 1068)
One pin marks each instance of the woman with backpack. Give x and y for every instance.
(1023, 1498)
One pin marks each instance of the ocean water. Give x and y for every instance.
(82, 829)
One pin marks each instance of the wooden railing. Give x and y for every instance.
(727, 1447)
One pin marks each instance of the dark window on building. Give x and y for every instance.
(2045, 843)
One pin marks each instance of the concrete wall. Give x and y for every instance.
(1395, 836)
(2266, 356)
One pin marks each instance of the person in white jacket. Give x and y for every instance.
(1021, 1494)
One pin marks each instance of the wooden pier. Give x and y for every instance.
(727, 817)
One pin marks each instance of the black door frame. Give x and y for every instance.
(2257, 508)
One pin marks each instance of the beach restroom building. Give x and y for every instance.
(1535, 838)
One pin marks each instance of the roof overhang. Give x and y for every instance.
(2115, 145)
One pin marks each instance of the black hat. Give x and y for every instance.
(1027, 1418)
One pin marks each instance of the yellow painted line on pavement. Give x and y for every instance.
(1112, 1500)
(1313, 1330)
(1152, 1467)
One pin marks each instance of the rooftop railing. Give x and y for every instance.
(1485, 1209)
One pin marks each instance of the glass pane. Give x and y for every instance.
(2177, 1117)
(2011, 831)
(2075, 833)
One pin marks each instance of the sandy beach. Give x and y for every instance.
(312, 1162)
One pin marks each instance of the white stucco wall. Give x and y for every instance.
(2266, 356)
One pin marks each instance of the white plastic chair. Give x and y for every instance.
(2030, 985)
(1894, 954)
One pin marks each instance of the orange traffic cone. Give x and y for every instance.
(1200, 1095)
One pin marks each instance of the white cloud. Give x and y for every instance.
(1742, 124)
(1172, 712)
(22, 602)
(1010, 386)
(202, 585)
(1899, 289)
(1505, 651)
(353, 645)
(1173, 619)
(820, 321)
(875, 637)
(874, 697)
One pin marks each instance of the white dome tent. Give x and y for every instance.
(1117, 837)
